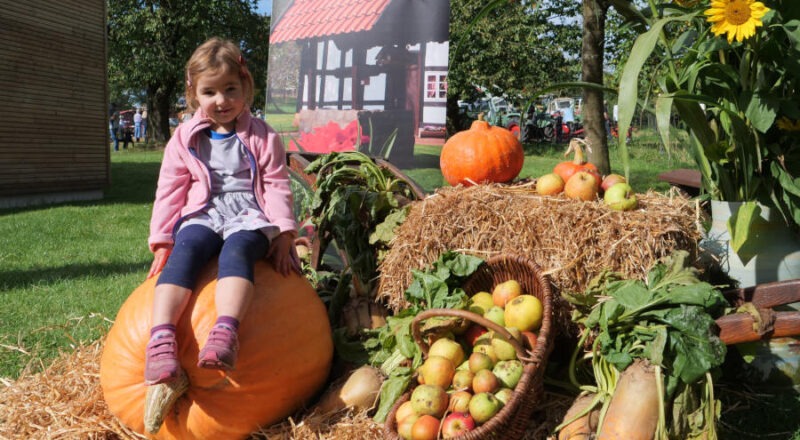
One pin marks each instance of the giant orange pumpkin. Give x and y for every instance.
(284, 359)
(482, 154)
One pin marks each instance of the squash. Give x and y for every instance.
(285, 355)
(482, 154)
(578, 163)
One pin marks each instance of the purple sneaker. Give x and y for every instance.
(161, 363)
(221, 349)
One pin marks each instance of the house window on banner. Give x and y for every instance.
(436, 86)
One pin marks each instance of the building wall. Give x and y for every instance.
(53, 106)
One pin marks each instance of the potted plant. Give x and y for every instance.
(730, 70)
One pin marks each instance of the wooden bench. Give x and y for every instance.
(687, 180)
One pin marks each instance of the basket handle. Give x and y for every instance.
(416, 332)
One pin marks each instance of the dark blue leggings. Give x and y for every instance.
(195, 245)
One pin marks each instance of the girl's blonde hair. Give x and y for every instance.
(214, 56)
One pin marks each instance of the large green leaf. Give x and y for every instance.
(629, 82)
(663, 117)
(739, 227)
(762, 110)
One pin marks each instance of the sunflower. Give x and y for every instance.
(738, 18)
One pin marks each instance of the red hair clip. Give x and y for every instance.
(242, 61)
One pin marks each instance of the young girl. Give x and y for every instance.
(223, 189)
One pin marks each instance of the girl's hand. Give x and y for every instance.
(160, 256)
(283, 255)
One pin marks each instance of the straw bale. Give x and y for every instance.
(66, 402)
(62, 402)
(571, 240)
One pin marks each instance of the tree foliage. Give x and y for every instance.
(513, 50)
(150, 41)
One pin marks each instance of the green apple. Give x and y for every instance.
(502, 348)
(447, 348)
(504, 395)
(524, 313)
(495, 314)
(480, 303)
(620, 197)
(483, 406)
(508, 373)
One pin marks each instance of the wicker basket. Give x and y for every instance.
(511, 422)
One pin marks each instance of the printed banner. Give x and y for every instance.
(370, 76)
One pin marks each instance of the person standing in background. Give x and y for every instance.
(113, 128)
(137, 125)
(144, 124)
(569, 119)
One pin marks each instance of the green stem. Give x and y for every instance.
(573, 378)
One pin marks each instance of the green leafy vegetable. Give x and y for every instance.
(358, 204)
(669, 321)
(392, 345)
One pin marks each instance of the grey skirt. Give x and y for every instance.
(232, 212)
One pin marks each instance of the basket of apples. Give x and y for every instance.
(486, 382)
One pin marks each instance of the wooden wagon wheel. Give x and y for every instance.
(298, 162)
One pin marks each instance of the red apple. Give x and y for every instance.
(480, 361)
(530, 338)
(425, 428)
(485, 381)
(438, 370)
(505, 292)
(404, 426)
(473, 333)
(610, 180)
(582, 186)
(456, 424)
(459, 401)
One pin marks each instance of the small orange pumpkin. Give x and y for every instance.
(285, 354)
(578, 163)
(482, 154)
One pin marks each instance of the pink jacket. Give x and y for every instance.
(184, 185)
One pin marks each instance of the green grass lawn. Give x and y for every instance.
(66, 269)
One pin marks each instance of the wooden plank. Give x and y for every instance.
(682, 177)
(738, 327)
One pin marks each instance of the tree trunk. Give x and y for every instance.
(158, 119)
(592, 51)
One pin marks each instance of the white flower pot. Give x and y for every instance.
(777, 249)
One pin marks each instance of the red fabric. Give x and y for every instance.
(306, 19)
(329, 138)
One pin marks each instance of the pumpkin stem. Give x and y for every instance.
(159, 400)
(480, 116)
(575, 147)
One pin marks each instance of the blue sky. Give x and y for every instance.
(264, 7)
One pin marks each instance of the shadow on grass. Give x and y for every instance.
(131, 182)
(24, 279)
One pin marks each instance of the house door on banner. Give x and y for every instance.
(364, 74)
